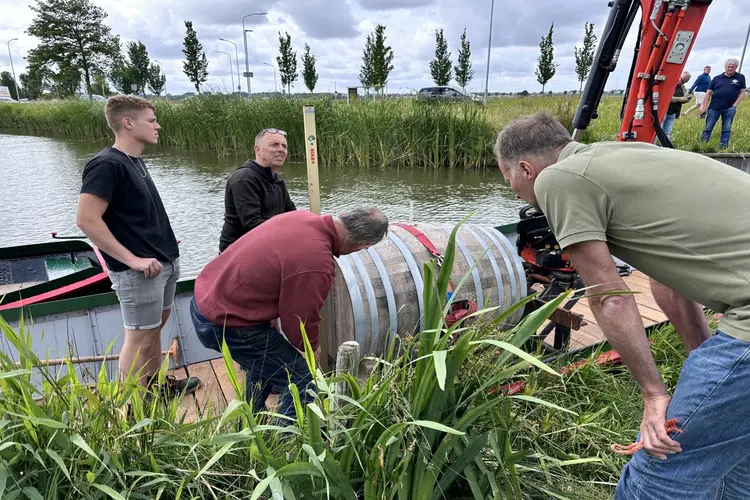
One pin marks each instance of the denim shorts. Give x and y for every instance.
(143, 300)
(712, 403)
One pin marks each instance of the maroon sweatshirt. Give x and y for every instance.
(283, 268)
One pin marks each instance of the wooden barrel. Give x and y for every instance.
(377, 292)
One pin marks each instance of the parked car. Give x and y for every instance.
(445, 93)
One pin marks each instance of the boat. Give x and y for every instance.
(49, 271)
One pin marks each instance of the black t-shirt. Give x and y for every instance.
(135, 215)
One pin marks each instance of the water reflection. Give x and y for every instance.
(41, 181)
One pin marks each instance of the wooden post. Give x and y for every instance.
(347, 361)
(311, 151)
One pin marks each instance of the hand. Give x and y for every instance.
(317, 354)
(655, 439)
(150, 267)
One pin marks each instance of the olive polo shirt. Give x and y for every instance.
(679, 217)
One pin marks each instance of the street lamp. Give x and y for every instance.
(165, 77)
(275, 89)
(744, 47)
(231, 71)
(489, 48)
(15, 84)
(237, 58)
(244, 37)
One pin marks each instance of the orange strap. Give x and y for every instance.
(670, 426)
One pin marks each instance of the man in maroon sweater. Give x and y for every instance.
(285, 270)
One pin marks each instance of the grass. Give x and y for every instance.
(401, 133)
(422, 426)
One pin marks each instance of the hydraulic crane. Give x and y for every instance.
(666, 35)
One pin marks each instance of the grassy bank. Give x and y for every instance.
(402, 133)
(423, 425)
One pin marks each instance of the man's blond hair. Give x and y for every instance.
(120, 106)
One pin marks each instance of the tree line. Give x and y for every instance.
(76, 46)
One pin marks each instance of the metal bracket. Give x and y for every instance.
(680, 47)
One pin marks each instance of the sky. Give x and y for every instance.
(336, 31)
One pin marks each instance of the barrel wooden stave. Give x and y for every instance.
(375, 286)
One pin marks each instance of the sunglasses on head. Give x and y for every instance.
(271, 131)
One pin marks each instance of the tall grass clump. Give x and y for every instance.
(420, 426)
(392, 132)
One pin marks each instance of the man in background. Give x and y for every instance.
(679, 98)
(121, 212)
(724, 94)
(255, 192)
(699, 88)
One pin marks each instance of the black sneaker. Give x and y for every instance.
(173, 387)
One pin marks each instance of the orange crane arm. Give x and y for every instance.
(666, 35)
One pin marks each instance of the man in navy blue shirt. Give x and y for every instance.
(699, 88)
(722, 98)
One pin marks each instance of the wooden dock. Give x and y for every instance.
(216, 390)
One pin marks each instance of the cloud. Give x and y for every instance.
(336, 31)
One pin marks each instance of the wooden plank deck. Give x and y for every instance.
(216, 390)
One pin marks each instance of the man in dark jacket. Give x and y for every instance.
(255, 192)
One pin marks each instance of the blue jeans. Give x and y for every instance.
(265, 355)
(712, 118)
(712, 403)
(668, 124)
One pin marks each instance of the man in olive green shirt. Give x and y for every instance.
(684, 220)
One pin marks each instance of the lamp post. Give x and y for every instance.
(165, 77)
(237, 58)
(231, 71)
(275, 89)
(489, 49)
(247, 61)
(13, 70)
(744, 47)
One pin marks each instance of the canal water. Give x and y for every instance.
(40, 180)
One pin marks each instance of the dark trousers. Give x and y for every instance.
(265, 355)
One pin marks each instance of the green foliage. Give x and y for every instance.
(138, 64)
(195, 65)
(6, 80)
(156, 79)
(440, 67)
(72, 38)
(33, 82)
(377, 60)
(420, 426)
(287, 62)
(546, 67)
(385, 133)
(100, 84)
(585, 55)
(309, 73)
(464, 73)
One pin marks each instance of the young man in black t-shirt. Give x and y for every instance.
(121, 212)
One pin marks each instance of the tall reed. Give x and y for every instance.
(394, 132)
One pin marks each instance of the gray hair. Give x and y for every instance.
(365, 226)
(732, 60)
(267, 131)
(536, 136)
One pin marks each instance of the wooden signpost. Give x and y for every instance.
(311, 151)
